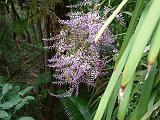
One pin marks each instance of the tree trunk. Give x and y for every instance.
(15, 38)
(40, 37)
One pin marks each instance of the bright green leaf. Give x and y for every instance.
(6, 87)
(29, 97)
(3, 114)
(16, 99)
(21, 104)
(26, 90)
(6, 105)
(26, 118)
(8, 117)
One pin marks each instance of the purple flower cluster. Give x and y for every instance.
(89, 25)
(81, 3)
(77, 59)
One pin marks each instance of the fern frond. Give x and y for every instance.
(75, 108)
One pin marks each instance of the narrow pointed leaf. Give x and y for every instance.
(154, 107)
(141, 41)
(132, 26)
(155, 46)
(124, 101)
(109, 20)
(145, 95)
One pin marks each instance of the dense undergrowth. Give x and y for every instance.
(102, 60)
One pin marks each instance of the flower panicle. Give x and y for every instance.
(77, 59)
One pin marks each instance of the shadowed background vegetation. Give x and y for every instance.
(132, 83)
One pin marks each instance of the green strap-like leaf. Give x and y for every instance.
(112, 101)
(145, 95)
(111, 85)
(109, 20)
(154, 107)
(116, 74)
(124, 100)
(142, 36)
(132, 26)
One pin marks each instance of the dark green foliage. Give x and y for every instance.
(26, 118)
(7, 45)
(76, 108)
(12, 99)
(23, 64)
(42, 79)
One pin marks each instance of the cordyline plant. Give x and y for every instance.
(138, 36)
(77, 59)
